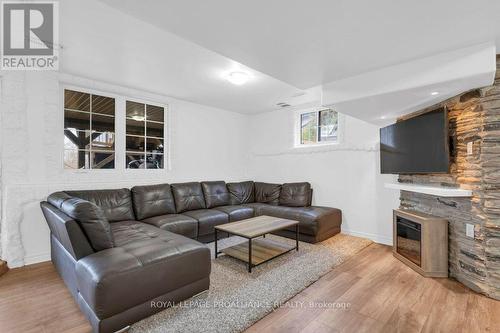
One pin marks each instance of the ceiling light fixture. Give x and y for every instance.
(137, 118)
(238, 78)
(435, 93)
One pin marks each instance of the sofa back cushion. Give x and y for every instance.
(115, 204)
(267, 193)
(215, 193)
(152, 200)
(188, 196)
(241, 193)
(92, 220)
(295, 194)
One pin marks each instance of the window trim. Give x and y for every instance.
(297, 128)
(120, 128)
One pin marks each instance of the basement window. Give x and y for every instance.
(318, 127)
(89, 131)
(144, 136)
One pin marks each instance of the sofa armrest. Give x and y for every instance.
(113, 280)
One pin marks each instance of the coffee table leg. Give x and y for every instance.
(297, 237)
(249, 255)
(215, 243)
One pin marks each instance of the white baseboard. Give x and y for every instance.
(34, 259)
(374, 237)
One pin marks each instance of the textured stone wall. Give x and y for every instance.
(474, 118)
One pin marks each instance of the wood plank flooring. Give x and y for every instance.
(372, 292)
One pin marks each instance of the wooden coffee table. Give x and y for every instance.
(257, 251)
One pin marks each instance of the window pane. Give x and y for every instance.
(154, 129)
(135, 111)
(135, 127)
(76, 159)
(76, 120)
(154, 161)
(102, 160)
(104, 105)
(74, 139)
(103, 141)
(308, 128)
(135, 161)
(135, 143)
(103, 123)
(76, 100)
(154, 113)
(328, 124)
(89, 126)
(154, 145)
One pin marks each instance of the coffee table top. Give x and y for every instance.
(256, 226)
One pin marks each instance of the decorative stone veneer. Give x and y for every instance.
(474, 118)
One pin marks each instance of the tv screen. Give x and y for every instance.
(416, 145)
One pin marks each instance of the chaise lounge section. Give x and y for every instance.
(119, 250)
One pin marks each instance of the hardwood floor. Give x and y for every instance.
(372, 292)
(381, 294)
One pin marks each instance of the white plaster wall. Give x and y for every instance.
(345, 175)
(204, 144)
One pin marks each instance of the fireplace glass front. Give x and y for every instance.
(409, 239)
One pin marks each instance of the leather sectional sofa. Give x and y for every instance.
(120, 250)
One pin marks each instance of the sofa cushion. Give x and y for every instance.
(176, 223)
(92, 220)
(56, 199)
(208, 219)
(116, 204)
(267, 193)
(188, 196)
(215, 193)
(295, 194)
(146, 263)
(241, 193)
(312, 220)
(257, 207)
(237, 212)
(152, 200)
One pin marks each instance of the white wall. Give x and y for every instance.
(345, 175)
(205, 145)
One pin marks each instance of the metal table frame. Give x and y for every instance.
(250, 265)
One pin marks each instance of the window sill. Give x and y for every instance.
(317, 145)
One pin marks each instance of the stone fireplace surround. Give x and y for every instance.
(474, 118)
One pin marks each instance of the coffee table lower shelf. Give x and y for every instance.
(262, 250)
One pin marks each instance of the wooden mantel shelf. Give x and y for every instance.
(432, 190)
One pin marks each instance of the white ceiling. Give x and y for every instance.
(380, 97)
(104, 44)
(295, 51)
(307, 43)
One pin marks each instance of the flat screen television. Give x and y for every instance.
(416, 145)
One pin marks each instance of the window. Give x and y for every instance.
(144, 136)
(89, 131)
(318, 127)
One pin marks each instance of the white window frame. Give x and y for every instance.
(120, 130)
(297, 128)
(166, 141)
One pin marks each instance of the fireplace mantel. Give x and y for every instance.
(439, 191)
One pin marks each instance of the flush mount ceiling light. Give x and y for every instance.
(238, 78)
(435, 93)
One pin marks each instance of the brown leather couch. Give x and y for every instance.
(119, 250)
